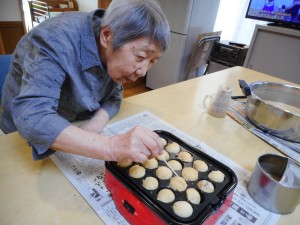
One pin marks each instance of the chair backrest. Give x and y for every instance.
(4, 67)
(39, 12)
(199, 58)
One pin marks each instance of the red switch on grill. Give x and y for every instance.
(128, 207)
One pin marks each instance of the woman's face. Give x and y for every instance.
(129, 62)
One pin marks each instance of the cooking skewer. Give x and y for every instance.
(170, 167)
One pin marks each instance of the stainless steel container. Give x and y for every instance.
(274, 108)
(275, 183)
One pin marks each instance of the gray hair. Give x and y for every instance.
(131, 19)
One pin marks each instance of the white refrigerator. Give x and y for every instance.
(187, 19)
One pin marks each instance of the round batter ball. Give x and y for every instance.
(137, 171)
(178, 184)
(175, 165)
(206, 186)
(200, 165)
(216, 176)
(173, 147)
(165, 156)
(164, 141)
(183, 209)
(150, 183)
(185, 157)
(190, 174)
(163, 173)
(124, 164)
(166, 195)
(150, 163)
(193, 196)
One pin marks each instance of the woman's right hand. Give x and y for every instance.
(138, 145)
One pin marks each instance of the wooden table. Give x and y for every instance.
(36, 192)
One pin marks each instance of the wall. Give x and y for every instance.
(11, 25)
(86, 5)
(10, 11)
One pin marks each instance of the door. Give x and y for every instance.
(178, 13)
(168, 69)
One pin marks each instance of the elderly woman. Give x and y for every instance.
(71, 67)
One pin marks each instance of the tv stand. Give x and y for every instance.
(275, 51)
(284, 25)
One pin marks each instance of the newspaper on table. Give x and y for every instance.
(87, 176)
(238, 113)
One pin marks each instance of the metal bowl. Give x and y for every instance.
(275, 108)
(275, 183)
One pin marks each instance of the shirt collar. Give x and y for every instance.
(89, 50)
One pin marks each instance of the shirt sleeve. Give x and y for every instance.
(34, 110)
(113, 103)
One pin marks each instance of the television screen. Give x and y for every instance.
(280, 12)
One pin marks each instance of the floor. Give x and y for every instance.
(141, 88)
(135, 88)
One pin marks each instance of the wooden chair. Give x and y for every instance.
(39, 12)
(2, 50)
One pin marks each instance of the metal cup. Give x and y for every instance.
(275, 183)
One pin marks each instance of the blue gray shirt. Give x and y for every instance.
(57, 77)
